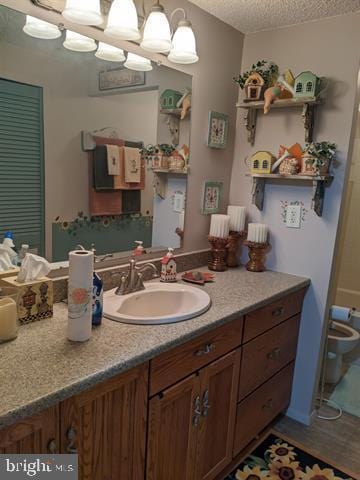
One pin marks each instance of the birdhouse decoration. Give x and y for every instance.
(168, 267)
(254, 86)
(261, 162)
(307, 84)
(169, 99)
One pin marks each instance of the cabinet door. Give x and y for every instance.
(219, 384)
(38, 434)
(106, 426)
(174, 417)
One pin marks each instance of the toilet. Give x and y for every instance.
(341, 339)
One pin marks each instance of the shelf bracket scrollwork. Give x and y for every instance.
(250, 124)
(258, 190)
(308, 115)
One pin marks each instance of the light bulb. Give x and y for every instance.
(110, 53)
(123, 21)
(40, 29)
(157, 36)
(84, 12)
(183, 48)
(79, 43)
(138, 63)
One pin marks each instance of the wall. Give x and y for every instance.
(329, 48)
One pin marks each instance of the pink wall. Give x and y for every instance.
(329, 48)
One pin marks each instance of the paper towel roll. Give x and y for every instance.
(341, 313)
(81, 267)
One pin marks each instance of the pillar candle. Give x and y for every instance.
(219, 226)
(257, 232)
(8, 319)
(237, 218)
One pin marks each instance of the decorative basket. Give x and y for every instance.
(160, 161)
(176, 162)
(310, 165)
(289, 166)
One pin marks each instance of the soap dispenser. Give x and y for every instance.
(139, 250)
(168, 267)
(97, 296)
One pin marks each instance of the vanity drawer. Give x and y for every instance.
(267, 354)
(261, 407)
(264, 318)
(172, 366)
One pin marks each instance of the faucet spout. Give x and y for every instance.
(132, 281)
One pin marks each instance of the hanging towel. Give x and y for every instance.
(119, 180)
(132, 162)
(102, 180)
(131, 201)
(113, 159)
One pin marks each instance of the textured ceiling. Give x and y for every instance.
(255, 15)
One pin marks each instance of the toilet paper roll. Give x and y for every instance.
(81, 268)
(341, 313)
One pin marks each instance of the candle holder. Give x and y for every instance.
(218, 252)
(257, 255)
(233, 248)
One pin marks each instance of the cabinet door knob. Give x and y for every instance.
(274, 353)
(51, 446)
(197, 411)
(268, 405)
(208, 348)
(206, 406)
(71, 441)
(277, 312)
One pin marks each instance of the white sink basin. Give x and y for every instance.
(158, 303)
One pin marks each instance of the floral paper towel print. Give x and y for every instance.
(79, 301)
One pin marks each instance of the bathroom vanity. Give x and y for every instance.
(159, 402)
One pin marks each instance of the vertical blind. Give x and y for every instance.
(22, 163)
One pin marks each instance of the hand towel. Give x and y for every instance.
(119, 180)
(113, 159)
(132, 162)
(102, 180)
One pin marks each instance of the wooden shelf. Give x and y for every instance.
(308, 105)
(171, 172)
(319, 183)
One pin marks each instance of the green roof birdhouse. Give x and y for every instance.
(307, 84)
(169, 99)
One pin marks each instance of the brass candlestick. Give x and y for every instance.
(233, 248)
(257, 255)
(218, 252)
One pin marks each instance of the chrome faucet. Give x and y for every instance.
(132, 281)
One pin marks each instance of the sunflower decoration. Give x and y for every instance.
(281, 451)
(254, 473)
(317, 473)
(285, 470)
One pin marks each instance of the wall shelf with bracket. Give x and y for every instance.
(173, 122)
(308, 105)
(319, 183)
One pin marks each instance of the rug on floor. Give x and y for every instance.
(347, 392)
(278, 459)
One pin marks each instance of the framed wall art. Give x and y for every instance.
(211, 199)
(218, 130)
(120, 78)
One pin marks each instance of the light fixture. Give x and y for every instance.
(84, 12)
(123, 21)
(79, 43)
(138, 63)
(40, 29)
(157, 35)
(183, 48)
(110, 53)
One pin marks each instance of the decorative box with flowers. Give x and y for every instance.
(317, 158)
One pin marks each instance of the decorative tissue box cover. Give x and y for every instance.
(36, 299)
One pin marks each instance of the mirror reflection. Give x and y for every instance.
(90, 152)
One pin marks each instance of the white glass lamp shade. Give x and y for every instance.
(84, 12)
(79, 43)
(110, 53)
(123, 21)
(183, 48)
(138, 63)
(40, 29)
(157, 36)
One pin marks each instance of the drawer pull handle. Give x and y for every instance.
(206, 406)
(209, 347)
(274, 354)
(51, 446)
(277, 312)
(71, 441)
(197, 411)
(268, 405)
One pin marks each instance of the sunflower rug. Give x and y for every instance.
(278, 459)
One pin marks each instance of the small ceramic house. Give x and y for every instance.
(307, 84)
(168, 268)
(169, 99)
(261, 162)
(254, 86)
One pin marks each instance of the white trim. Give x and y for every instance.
(301, 417)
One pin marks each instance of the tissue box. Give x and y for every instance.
(36, 299)
(9, 273)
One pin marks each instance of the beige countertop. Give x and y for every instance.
(41, 367)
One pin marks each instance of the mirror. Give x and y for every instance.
(87, 150)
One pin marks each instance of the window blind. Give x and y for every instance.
(22, 163)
